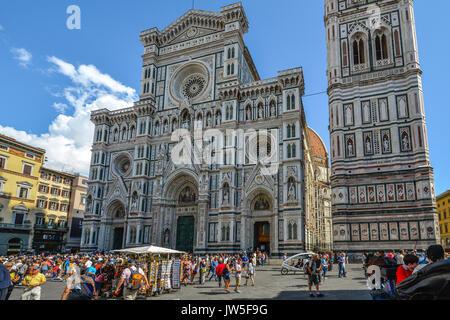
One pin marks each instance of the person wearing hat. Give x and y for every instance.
(32, 283)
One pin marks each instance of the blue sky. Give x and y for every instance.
(51, 77)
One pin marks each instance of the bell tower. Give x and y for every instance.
(382, 182)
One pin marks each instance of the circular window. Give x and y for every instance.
(121, 165)
(189, 82)
(193, 85)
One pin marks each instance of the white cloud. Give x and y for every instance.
(22, 55)
(60, 107)
(1, 28)
(69, 138)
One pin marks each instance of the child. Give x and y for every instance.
(406, 269)
(56, 270)
(238, 270)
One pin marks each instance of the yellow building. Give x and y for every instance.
(443, 206)
(53, 207)
(20, 166)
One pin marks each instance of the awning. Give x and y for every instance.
(149, 249)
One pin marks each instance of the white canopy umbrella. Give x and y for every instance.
(149, 249)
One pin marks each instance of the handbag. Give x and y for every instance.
(99, 278)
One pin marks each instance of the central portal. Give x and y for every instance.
(262, 236)
(118, 237)
(185, 234)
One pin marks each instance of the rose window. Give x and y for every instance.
(193, 86)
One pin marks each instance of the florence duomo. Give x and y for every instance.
(200, 86)
(202, 100)
(208, 151)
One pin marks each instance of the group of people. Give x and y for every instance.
(221, 267)
(116, 275)
(317, 267)
(404, 264)
(88, 275)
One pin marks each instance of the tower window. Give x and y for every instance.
(381, 47)
(358, 52)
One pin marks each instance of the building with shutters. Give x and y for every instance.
(443, 207)
(52, 210)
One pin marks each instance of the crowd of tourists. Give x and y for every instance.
(106, 275)
(408, 274)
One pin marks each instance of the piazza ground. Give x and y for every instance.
(270, 284)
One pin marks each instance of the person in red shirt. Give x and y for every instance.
(406, 269)
(219, 271)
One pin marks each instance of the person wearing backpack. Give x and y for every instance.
(133, 278)
(311, 269)
(202, 269)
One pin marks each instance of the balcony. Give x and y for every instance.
(23, 227)
(363, 67)
(47, 226)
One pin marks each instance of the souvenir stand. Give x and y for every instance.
(163, 270)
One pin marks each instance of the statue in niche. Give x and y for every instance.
(405, 141)
(383, 110)
(291, 189)
(166, 127)
(134, 199)
(402, 108)
(366, 111)
(226, 195)
(208, 120)
(166, 238)
(386, 146)
(272, 110)
(348, 115)
(350, 147)
(368, 146)
(218, 119)
(249, 114)
(260, 112)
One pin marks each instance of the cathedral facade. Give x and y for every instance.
(244, 143)
(382, 182)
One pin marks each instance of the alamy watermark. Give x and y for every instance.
(229, 147)
(74, 20)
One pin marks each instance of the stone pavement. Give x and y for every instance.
(270, 284)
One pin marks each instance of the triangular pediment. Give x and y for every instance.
(192, 33)
(258, 178)
(191, 25)
(118, 191)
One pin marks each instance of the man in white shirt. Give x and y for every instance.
(88, 264)
(125, 278)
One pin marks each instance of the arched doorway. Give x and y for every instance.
(180, 213)
(118, 214)
(261, 206)
(14, 246)
(187, 204)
